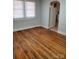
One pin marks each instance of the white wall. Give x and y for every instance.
(20, 24)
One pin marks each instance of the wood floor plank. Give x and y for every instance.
(39, 43)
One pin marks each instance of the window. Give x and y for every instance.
(23, 9)
(18, 9)
(30, 9)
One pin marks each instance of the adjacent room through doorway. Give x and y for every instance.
(54, 15)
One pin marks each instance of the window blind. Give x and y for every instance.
(18, 9)
(23, 9)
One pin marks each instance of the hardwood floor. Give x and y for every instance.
(38, 43)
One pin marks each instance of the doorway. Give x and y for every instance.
(54, 15)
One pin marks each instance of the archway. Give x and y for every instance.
(54, 15)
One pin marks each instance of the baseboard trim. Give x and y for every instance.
(62, 33)
(45, 27)
(14, 30)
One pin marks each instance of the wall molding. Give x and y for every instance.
(19, 29)
(61, 33)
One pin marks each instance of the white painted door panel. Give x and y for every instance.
(52, 17)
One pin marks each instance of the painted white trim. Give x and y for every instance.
(14, 30)
(45, 26)
(61, 33)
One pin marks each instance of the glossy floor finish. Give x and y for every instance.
(38, 43)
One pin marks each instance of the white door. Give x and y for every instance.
(52, 19)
